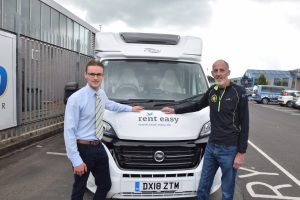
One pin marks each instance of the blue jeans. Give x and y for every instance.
(96, 159)
(216, 156)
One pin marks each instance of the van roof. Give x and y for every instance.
(148, 46)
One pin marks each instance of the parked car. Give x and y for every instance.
(297, 104)
(266, 93)
(286, 98)
(249, 92)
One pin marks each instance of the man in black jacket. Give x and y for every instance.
(227, 144)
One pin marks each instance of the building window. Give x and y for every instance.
(285, 81)
(9, 13)
(82, 41)
(35, 19)
(70, 31)
(76, 36)
(86, 41)
(281, 82)
(46, 23)
(1, 14)
(63, 30)
(55, 26)
(91, 43)
(25, 17)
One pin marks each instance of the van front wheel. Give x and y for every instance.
(265, 101)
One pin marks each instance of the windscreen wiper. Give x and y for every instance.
(190, 99)
(142, 100)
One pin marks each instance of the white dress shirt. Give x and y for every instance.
(80, 120)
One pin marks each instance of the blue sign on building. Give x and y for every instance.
(3, 80)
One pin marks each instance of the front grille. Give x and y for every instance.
(141, 156)
(149, 176)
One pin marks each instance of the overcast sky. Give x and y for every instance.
(249, 34)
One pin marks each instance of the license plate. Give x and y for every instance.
(157, 186)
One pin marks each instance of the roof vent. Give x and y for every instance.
(150, 38)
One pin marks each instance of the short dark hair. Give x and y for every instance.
(93, 62)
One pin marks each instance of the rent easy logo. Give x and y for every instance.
(150, 117)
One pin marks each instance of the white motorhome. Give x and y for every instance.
(153, 155)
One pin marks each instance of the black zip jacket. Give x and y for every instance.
(229, 115)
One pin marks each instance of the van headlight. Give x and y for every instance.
(206, 129)
(108, 130)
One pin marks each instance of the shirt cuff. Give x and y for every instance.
(77, 161)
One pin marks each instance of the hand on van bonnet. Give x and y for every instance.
(168, 110)
(137, 108)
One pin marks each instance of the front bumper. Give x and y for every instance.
(127, 184)
(281, 102)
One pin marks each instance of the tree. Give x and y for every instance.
(262, 80)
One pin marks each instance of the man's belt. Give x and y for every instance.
(93, 142)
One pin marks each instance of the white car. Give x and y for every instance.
(287, 97)
(297, 103)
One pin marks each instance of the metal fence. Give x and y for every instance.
(42, 71)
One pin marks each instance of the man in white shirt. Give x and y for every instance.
(84, 148)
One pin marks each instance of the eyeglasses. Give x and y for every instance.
(92, 75)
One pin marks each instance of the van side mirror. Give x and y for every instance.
(70, 88)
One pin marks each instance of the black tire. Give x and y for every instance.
(289, 104)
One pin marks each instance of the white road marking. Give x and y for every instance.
(274, 189)
(289, 110)
(297, 114)
(255, 173)
(56, 153)
(288, 174)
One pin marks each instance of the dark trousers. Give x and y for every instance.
(96, 159)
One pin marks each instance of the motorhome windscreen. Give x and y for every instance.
(155, 80)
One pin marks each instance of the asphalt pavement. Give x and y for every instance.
(42, 170)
